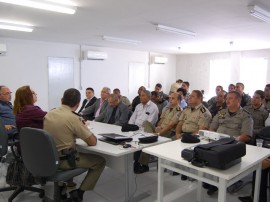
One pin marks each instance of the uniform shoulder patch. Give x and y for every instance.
(203, 110)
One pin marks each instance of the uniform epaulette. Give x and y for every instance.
(203, 110)
(76, 113)
(246, 111)
(178, 109)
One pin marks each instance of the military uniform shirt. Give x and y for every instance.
(65, 126)
(170, 115)
(258, 115)
(239, 123)
(193, 118)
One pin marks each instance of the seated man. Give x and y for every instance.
(6, 111)
(159, 101)
(122, 98)
(145, 115)
(219, 104)
(169, 118)
(115, 113)
(267, 96)
(90, 100)
(195, 117)
(245, 98)
(212, 101)
(136, 100)
(233, 121)
(65, 126)
(99, 106)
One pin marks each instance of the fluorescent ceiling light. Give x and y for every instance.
(15, 26)
(174, 30)
(259, 13)
(44, 5)
(160, 60)
(120, 40)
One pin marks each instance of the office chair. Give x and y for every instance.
(40, 157)
(4, 143)
(265, 135)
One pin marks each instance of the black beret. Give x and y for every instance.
(129, 127)
(188, 138)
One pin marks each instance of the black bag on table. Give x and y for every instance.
(221, 154)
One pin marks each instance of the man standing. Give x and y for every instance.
(65, 126)
(175, 86)
(115, 113)
(99, 106)
(195, 117)
(245, 98)
(90, 100)
(6, 111)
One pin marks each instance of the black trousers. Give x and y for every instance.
(265, 177)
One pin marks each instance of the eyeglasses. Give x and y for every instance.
(7, 93)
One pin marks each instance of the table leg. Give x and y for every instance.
(160, 181)
(257, 183)
(129, 177)
(199, 187)
(222, 190)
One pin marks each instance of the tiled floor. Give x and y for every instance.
(110, 188)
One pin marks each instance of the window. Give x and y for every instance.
(253, 74)
(220, 74)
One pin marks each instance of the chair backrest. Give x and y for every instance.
(38, 151)
(3, 139)
(265, 135)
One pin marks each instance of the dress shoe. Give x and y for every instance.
(175, 174)
(74, 195)
(205, 185)
(211, 190)
(136, 166)
(183, 177)
(142, 169)
(245, 198)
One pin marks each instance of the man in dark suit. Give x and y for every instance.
(115, 113)
(93, 111)
(90, 100)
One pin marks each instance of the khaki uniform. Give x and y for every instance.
(170, 115)
(193, 118)
(233, 125)
(125, 100)
(65, 126)
(259, 116)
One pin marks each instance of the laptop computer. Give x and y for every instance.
(114, 138)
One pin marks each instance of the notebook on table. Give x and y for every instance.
(114, 138)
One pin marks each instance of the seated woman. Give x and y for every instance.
(26, 113)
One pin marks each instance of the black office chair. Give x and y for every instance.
(4, 143)
(40, 157)
(265, 135)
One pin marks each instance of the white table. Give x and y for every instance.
(169, 155)
(116, 156)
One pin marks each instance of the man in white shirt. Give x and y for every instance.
(146, 113)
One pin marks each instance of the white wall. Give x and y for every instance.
(26, 64)
(195, 68)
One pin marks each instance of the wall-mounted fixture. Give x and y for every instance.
(95, 55)
(120, 40)
(160, 60)
(67, 7)
(259, 13)
(174, 30)
(3, 49)
(15, 26)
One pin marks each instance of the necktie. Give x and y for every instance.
(99, 108)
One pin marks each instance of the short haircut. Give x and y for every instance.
(220, 87)
(154, 93)
(89, 88)
(231, 85)
(71, 97)
(107, 89)
(147, 92)
(159, 85)
(116, 90)
(260, 93)
(184, 91)
(187, 83)
(114, 97)
(179, 80)
(237, 95)
(2, 86)
(267, 85)
(239, 83)
(198, 93)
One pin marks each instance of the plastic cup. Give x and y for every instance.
(259, 142)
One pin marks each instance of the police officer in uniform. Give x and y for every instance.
(65, 126)
(195, 117)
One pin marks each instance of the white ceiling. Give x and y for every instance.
(216, 22)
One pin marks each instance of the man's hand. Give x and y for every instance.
(9, 127)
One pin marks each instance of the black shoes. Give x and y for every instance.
(184, 177)
(245, 198)
(139, 169)
(74, 196)
(211, 190)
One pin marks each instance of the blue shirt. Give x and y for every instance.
(7, 116)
